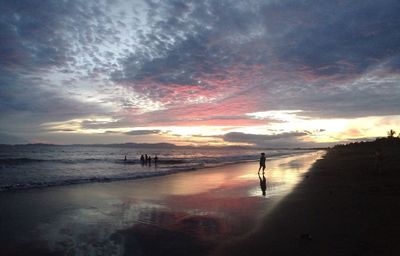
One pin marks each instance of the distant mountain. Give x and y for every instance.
(114, 145)
(154, 145)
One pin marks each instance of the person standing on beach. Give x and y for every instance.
(262, 163)
(155, 160)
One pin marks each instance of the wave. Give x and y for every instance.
(22, 160)
(161, 161)
(83, 180)
(165, 167)
(132, 176)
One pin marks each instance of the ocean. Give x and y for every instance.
(35, 166)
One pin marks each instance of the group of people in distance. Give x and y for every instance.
(146, 159)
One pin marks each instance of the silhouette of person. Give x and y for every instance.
(263, 184)
(125, 158)
(155, 160)
(146, 158)
(149, 160)
(262, 163)
(142, 160)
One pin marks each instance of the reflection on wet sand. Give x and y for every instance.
(186, 213)
(263, 184)
(283, 174)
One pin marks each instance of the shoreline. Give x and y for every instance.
(343, 207)
(197, 210)
(40, 185)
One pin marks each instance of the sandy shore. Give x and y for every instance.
(192, 213)
(343, 207)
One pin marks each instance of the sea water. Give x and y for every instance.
(33, 166)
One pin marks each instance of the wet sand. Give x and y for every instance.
(343, 207)
(191, 213)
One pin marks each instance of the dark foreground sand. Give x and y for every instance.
(193, 213)
(343, 207)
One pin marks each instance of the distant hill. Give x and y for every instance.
(157, 146)
(114, 145)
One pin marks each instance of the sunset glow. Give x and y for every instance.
(260, 73)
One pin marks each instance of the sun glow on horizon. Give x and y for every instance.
(310, 129)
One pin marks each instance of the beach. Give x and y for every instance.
(344, 206)
(196, 213)
(139, 128)
(315, 203)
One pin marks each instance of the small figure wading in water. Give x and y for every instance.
(262, 163)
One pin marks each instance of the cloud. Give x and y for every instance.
(279, 140)
(286, 139)
(286, 52)
(142, 132)
(62, 130)
(29, 34)
(37, 41)
(147, 63)
(243, 137)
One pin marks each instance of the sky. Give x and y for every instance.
(287, 73)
